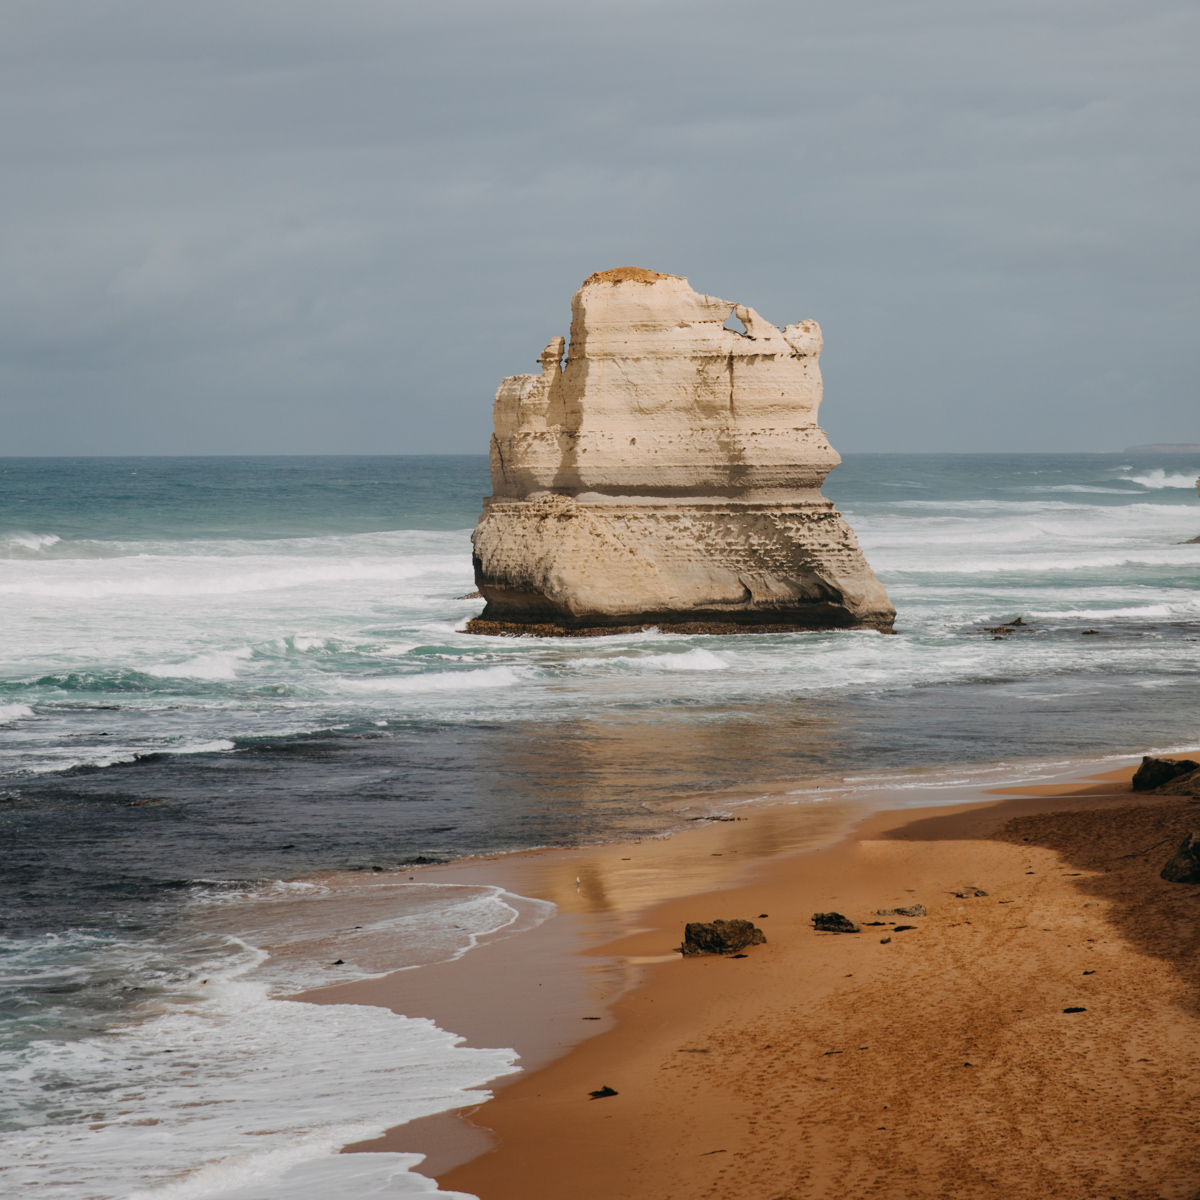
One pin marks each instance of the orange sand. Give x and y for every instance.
(941, 1064)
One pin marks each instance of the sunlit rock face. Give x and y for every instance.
(668, 472)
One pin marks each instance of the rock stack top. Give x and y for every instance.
(626, 275)
(657, 398)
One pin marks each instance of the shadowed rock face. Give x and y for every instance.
(668, 472)
(1184, 867)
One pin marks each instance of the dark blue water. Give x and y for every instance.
(234, 556)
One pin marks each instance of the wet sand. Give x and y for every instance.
(939, 1063)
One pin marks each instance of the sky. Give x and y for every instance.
(333, 226)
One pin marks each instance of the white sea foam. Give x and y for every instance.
(199, 747)
(309, 643)
(697, 659)
(1080, 487)
(1158, 478)
(231, 1091)
(1149, 612)
(54, 759)
(435, 681)
(190, 581)
(15, 712)
(203, 666)
(47, 759)
(224, 1090)
(340, 1176)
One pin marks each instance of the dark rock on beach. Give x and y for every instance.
(1154, 772)
(1184, 867)
(720, 937)
(832, 922)
(907, 910)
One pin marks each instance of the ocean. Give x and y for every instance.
(235, 702)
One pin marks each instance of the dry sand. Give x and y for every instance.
(822, 1066)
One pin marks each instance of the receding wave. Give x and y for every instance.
(435, 681)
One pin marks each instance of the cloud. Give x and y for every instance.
(301, 227)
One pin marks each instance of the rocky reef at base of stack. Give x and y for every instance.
(667, 474)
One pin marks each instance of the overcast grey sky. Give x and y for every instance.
(291, 226)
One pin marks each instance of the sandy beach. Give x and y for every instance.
(935, 1060)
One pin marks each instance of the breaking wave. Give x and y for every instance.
(1158, 478)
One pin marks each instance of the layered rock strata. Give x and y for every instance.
(668, 472)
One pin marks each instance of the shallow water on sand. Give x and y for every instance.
(222, 680)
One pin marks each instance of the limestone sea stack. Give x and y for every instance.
(667, 473)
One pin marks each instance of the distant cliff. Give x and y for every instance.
(667, 472)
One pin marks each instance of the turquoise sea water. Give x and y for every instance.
(222, 678)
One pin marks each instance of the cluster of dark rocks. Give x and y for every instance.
(835, 922)
(1000, 632)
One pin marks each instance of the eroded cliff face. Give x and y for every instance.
(668, 472)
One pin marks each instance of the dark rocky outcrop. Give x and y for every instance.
(1154, 772)
(1002, 631)
(832, 922)
(1184, 867)
(720, 937)
(907, 910)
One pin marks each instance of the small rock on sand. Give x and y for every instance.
(832, 922)
(720, 937)
(907, 910)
